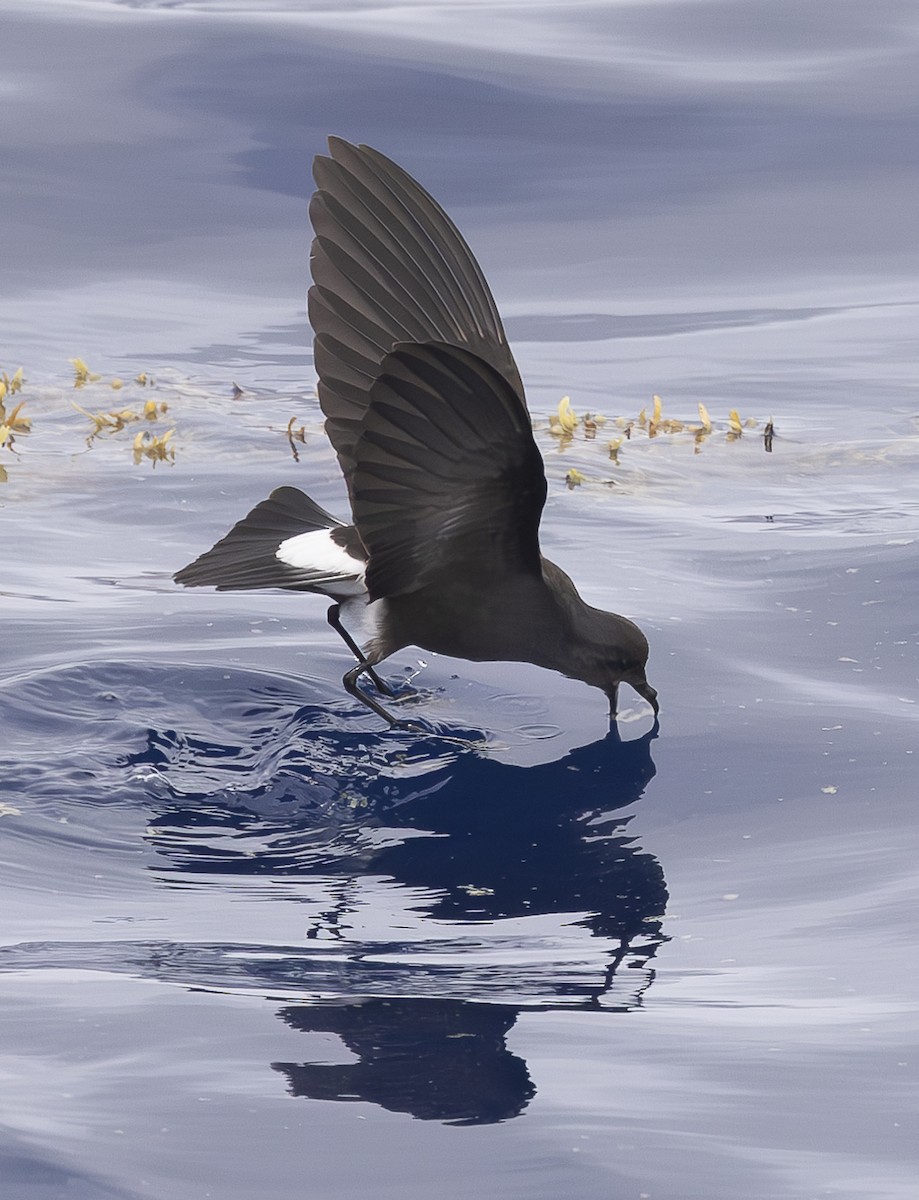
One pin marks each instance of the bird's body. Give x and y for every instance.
(426, 411)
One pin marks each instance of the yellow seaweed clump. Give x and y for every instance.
(12, 421)
(563, 423)
(10, 386)
(82, 373)
(157, 449)
(113, 421)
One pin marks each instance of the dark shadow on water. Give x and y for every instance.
(513, 842)
(443, 1060)
(474, 843)
(491, 888)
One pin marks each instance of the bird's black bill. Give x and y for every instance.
(647, 692)
(642, 687)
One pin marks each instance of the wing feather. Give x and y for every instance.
(389, 267)
(449, 481)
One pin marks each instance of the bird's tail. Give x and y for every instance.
(248, 557)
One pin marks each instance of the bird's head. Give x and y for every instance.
(619, 652)
(601, 648)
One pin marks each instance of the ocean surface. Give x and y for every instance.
(251, 943)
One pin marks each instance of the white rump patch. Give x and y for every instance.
(315, 551)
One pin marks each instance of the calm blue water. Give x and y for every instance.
(252, 945)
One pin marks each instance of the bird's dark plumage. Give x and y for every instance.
(426, 411)
(448, 477)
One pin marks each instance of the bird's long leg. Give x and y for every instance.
(350, 678)
(334, 619)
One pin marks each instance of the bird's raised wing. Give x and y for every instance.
(388, 266)
(448, 481)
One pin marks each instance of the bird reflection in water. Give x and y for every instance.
(484, 852)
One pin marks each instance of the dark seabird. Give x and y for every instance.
(426, 411)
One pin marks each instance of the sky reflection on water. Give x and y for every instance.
(657, 155)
